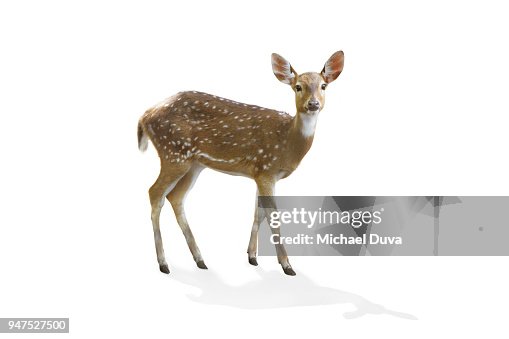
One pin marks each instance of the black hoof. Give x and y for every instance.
(289, 271)
(164, 268)
(202, 265)
(253, 261)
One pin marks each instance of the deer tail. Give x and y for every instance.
(142, 138)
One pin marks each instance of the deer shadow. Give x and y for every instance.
(272, 289)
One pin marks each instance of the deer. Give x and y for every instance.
(193, 130)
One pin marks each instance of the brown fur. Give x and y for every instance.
(186, 132)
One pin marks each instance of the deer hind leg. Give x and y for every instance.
(266, 188)
(253, 240)
(177, 197)
(167, 180)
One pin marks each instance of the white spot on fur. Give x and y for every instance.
(211, 158)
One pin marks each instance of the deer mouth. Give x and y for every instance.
(310, 112)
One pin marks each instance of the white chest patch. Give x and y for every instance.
(308, 124)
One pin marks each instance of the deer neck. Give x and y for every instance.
(300, 137)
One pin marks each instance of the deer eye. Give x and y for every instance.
(324, 86)
(298, 88)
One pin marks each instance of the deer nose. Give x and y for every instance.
(313, 105)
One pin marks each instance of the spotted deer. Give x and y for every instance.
(194, 130)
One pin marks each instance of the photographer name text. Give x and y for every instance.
(331, 239)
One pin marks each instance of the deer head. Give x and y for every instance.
(309, 87)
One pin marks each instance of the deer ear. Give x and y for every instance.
(333, 67)
(283, 70)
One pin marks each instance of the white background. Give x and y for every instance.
(420, 109)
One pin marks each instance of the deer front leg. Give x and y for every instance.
(253, 241)
(266, 188)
